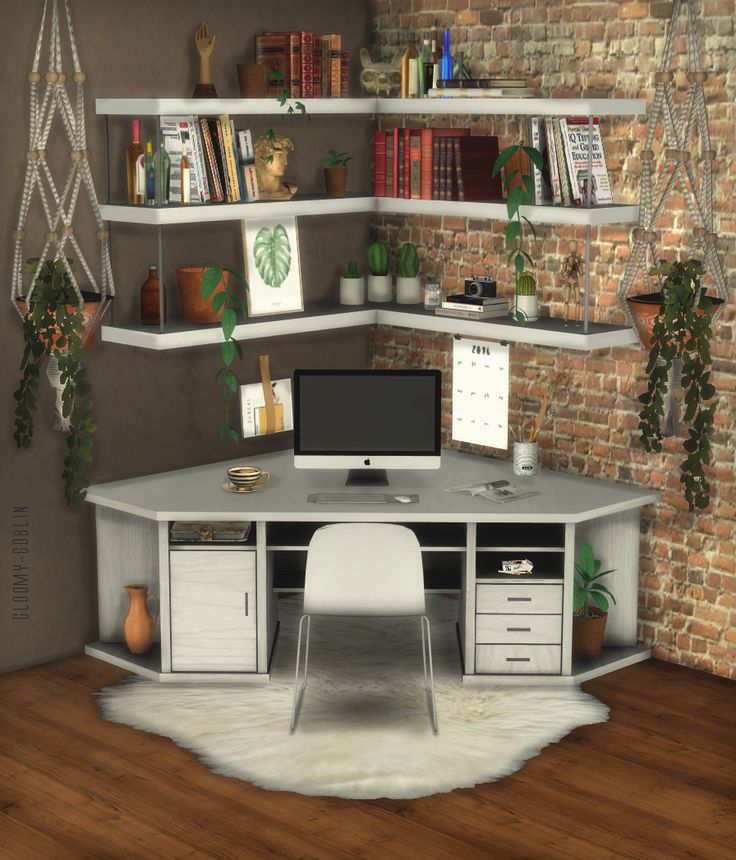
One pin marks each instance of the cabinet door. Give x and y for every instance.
(213, 611)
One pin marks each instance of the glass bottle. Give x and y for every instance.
(149, 169)
(151, 298)
(132, 154)
(446, 58)
(162, 166)
(186, 176)
(459, 69)
(409, 54)
(426, 67)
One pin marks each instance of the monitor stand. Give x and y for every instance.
(367, 478)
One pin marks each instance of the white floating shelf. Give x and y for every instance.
(318, 204)
(545, 332)
(371, 105)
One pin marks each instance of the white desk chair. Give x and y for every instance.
(364, 569)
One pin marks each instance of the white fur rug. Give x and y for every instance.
(364, 729)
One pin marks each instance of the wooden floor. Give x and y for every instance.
(657, 781)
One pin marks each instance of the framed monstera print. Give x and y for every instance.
(272, 269)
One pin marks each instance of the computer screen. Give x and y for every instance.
(367, 419)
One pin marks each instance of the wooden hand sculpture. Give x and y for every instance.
(205, 45)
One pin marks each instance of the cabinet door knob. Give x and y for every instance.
(518, 629)
(518, 659)
(519, 599)
(246, 604)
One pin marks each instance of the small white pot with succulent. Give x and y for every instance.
(380, 288)
(352, 285)
(408, 283)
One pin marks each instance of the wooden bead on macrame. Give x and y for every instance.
(664, 77)
(677, 154)
(647, 155)
(62, 77)
(698, 77)
(103, 234)
(68, 230)
(52, 77)
(41, 154)
(32, 155)
(34, 77)
(80, 77)
(708, 155)
(77, 154)
(698, 232)
(710, 238)
(52, 236)
(18, 234)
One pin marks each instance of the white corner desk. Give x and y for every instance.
(219, 603)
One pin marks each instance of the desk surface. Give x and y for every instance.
(196, 493)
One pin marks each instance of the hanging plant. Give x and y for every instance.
(53, 326)
(682, 331)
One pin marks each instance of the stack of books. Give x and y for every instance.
(484, 88)
(312, 65)
(473, 307)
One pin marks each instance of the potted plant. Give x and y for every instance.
(55, 325)
(680, 332)
(336, 172)
(408, 285)
(380, 288)
(352, 287)
(518, 185)
(525, 297)
(590, 605)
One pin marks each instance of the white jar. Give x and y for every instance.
(528, 305)
(526, 459)
(408, 290)
(352, 291)
(380, 288)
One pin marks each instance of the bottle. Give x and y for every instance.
(426, 67)
(162, 166)
(186, 178)
(150, 299)
(132, 153)
(446, 59)
(149, 169)
(414, 83)
(409, 54)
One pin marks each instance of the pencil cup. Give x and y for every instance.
(526, 459)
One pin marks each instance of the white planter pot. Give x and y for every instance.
(529, 305)
(408, 291)
(380, 288)
(352, 291)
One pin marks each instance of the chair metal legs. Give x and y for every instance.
(427, 660)
(299, 689)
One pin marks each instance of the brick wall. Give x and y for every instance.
(687, 601)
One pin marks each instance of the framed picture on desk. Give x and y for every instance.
(272, 266)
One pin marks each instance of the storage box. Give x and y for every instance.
(184, 531)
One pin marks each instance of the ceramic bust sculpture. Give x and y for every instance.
(380, 79)
(205, 43)
(272, 156)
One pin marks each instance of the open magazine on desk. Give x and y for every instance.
(500, 491)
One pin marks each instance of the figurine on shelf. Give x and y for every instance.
(205, 43)
(572, 269)
(272, 155)
(380, 79)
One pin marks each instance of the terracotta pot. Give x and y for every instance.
(194, 308)
(645, 308)
(139, 624)
(93, 311)
(252, 80)
(336, 180)
(587, 634)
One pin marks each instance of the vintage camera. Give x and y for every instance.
(481, 287)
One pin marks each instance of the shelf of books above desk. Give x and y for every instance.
(371, 105)
(196, 213)
(323, 317)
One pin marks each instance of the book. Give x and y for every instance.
(477, 309)
(399, 164)
(200, 161)
(415, 164)
(273, 50)
(317, 66)
(540, 178)
(489, 93)
(435, 167)
(344, 74)
(379, 164)
(474, 158)
(307, 64)
(390, 164)
(575, 140)
(501, 491)
(251, 191)
(214, 135)
(245, 144)
(565, 191)
(326, 65)
(554, 172)
(426, 167)
(295, 65)
(335, 64)
(228, 158)
(213, 175)
(406, 181)
(464, 313)
(481, 83)
(174, 129)
(238, 159)
(250, 182)
(463, 299)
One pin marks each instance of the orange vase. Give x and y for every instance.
(139, 624)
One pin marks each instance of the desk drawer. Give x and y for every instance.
(524, 597)
(518, 659)
(526, 629)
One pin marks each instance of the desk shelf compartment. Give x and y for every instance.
(440, 537)
(549, 536)
(548, 566)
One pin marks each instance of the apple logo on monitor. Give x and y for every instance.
(367, 462)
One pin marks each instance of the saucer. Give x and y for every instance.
(231, 488)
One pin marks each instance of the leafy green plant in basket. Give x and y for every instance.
(519, 194)
(54, 326)
(227, 300)
(682, 331)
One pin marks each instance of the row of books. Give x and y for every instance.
(482, 88)
(435, 164)
(310, 65)
(563, 142)
(222, 162)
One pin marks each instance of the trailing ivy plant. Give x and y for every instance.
(682, 330)
(54, 326)
(521, 193)
(230, 303)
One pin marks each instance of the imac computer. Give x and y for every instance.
(367, 421)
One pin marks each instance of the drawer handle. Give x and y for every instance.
(518, 659)
(518, 629)
(519, 599)
(246, 604)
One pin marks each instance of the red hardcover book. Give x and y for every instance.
(406, 186)
(295, 65)
(475, 159)
(426, 171)
(273, 51)
(379, 164)
(307, 59)
(396, 162)
(390, 163)
(443, 168)
(317, 66)
(435, 168)
(401, 169)
(415, 164)
(344, 73)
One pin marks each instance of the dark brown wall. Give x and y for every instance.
(155, 410)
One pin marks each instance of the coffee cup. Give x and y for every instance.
(246, 477)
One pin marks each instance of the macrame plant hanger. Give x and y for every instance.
(58, 205)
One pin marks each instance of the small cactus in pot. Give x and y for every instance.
(526, 305)
(352, 286)
(408, 285)
(379, 280)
